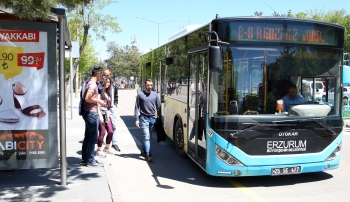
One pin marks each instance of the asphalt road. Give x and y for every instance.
(172, 178)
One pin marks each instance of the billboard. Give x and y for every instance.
(28, 109)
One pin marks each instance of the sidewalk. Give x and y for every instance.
(347, 123)
(84, 183)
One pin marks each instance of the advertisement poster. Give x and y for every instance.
(24, 94)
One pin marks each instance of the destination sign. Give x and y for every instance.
(282, 32)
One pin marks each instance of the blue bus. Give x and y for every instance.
(231, 74)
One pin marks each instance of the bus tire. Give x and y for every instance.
(179, 139)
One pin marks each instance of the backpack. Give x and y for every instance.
(83, 95)
(82, 98)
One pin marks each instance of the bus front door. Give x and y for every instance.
(197, 106)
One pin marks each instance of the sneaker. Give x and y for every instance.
(84, 162)
(143, 153)
(102, 164)
(149, 158)
(109, 151)
(101, 154)
(95, 163)
(116, 147)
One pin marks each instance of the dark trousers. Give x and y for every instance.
(90, 137)
(103, 127)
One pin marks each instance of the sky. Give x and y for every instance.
(170, 16)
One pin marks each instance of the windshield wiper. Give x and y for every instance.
(286, 123)
(315, 120)
(255, 125)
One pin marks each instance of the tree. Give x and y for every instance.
(333, 16)
(123, 61)
(86, 18)
(38, 9)
(258, 13)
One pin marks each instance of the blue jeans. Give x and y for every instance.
(146, 124)
(113, 110)
(90, 137)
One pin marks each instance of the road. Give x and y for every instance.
(172, 178)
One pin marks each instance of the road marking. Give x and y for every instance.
(127, 111)
(245, 190)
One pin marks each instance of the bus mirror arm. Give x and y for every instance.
(209, 39)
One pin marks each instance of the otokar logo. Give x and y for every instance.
(286, 146)
(288, 134)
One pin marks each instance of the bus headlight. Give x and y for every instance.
(335, 153)
(225, 157)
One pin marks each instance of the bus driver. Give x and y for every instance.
(292, 97)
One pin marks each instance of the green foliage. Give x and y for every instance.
(123, 61)
(30, 9)
(334, 16)
(38, 9)
(87, 17)
(258, 13)
(340, 17)
(88, 57)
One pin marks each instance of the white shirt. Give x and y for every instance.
(194, 89)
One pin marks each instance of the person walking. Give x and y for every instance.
(105, 119)
(91, 118)
(168, 89)
(113, 109)
(203, 110)
(147, 102)
(177, 86)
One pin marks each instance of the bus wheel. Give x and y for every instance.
(179, 139)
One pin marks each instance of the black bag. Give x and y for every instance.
(82, 98)
(200, 128)
(161, 135)
(105, 118)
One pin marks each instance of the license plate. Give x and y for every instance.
(285, 170)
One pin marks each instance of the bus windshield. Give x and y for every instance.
(254, 79)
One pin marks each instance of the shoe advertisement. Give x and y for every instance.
(24, 124)
(23, 70)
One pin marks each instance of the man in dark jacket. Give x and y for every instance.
(113, 109)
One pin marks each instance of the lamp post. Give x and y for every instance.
(158, 23)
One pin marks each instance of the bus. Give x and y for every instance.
(233, 72)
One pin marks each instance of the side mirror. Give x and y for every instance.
(215, 58)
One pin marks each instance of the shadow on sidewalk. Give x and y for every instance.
(41, 182)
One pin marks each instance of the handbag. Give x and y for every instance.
(109, 104)
(105, 118)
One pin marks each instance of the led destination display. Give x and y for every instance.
(283, 33)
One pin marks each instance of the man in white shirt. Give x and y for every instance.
(193, 90)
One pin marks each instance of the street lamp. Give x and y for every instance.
(158, 23)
